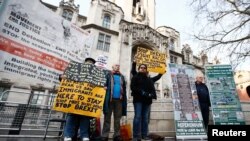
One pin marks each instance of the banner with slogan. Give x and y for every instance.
(82, 72)
(37, 45)
(226, 107)
(79, 98)
(102, 61)
(187, 114)
(155, 61)
(82, 91)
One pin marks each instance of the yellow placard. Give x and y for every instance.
(79, 98)
(155, 61)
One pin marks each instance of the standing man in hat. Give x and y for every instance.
(74, 121)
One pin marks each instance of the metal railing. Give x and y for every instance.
(19, 118)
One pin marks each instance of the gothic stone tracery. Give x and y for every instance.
(142, 33)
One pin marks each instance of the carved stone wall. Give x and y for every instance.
(142, 33)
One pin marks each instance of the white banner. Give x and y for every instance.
(36, 44)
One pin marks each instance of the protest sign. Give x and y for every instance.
(187, 114)
(82, 72)
(226, 107)
(102, 61)
(79, 98)
(155, 61)
(82, 91)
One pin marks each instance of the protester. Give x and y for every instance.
(154, 79)
(134, 72)
(204, 100)
(115, 102)
(143, 91)
(74, 121)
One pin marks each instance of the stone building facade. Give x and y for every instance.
(242, 81)
(119, 28)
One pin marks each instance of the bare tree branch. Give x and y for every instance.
(224, 26)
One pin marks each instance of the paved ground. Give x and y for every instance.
(40, 139)
(27, 139)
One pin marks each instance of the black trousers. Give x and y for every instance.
(205, 113)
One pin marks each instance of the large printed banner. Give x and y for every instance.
(155, 61)
(226, 107)
(187, 114)
(36, 45)
(79, 98)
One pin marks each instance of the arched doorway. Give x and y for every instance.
(142, 44)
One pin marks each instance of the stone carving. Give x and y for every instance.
(143, 33)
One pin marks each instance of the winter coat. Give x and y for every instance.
(109, 91)
(203, 94)
(141, 83)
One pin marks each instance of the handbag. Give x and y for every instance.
(125, 130)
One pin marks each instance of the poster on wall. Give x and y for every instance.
(187, 114)
(225, 104)
(36, 45)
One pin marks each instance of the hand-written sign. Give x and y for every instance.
(82, 72)
(155, 61)
(79, 98)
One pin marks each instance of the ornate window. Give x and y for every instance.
(103, 42)
(67, 14)
(106, 21)
(173, 59)
(171, 44)
(135, 1)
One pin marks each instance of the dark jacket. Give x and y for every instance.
(142, 83)
(109, 91)
(203, 94)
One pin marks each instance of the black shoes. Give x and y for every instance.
(104, 139)
(117, 138)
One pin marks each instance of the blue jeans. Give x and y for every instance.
(140, 123)
(72, 123)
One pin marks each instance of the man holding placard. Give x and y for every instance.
(75, 121)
